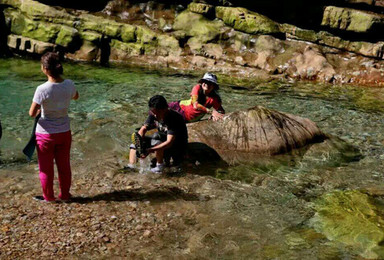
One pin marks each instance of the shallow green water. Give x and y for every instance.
(113, 102)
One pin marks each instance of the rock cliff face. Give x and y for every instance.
(336, 41)
(244, 135)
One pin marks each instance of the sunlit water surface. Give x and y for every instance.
(113, 102)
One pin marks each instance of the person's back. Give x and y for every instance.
(54, 99)
(53, 134)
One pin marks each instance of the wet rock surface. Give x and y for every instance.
(121, 214)
(242, 135)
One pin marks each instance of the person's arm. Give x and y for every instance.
(76, 96)
(198, 106)
(143, 130)
(218, 111)
(168, 143)
(194, 99)
(34, 110)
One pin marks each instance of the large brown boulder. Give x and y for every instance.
(242, 136)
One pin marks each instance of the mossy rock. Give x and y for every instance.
(90, 36)
(26, 27)
(351, 218)
(107, 27)
(297, 33)
(128, 33)
(89, 51)
(196, 25)
(169, 44)
(128, 48)
(200, 8)
(246, 21)
(195, 44)
(67, 36)
(21, 43)
(351, 20)
(145, 35)
(39, 11)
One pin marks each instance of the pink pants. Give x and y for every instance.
(54, 147)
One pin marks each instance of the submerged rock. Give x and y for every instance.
(242, 135)
(351, 218)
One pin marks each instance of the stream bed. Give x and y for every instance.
(284, 207)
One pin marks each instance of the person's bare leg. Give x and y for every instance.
(159, 156)
(159, 165)
(132, 156)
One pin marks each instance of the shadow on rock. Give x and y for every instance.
(161, 195)
(204, 160)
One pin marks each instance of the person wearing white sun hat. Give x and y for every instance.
(205, 99)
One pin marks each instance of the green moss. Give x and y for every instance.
(24, 26)
(100, 25)
(246, 21)
(196, 25)
(201, 8)
(129, 48)
(66, 36)
(90, 36)
(128, 33)
(350, 19)
(351, 218)
(39, 11)
(112, 29)
(145, 35)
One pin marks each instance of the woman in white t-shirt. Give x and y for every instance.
(53, 134)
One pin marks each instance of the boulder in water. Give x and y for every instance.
(243, 135)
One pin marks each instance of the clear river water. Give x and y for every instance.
(113, 102)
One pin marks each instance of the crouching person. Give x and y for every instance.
(169, 142)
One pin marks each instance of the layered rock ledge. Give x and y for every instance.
(339, 44)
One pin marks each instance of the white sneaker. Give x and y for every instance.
(158, 169)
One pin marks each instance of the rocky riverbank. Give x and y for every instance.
(339, 44)
(189, 216)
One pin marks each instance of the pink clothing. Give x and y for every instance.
(54, 147)
(191, 114)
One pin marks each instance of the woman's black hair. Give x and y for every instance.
(201, 81)
(51, 62)
(201, 98)
(157, 102)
